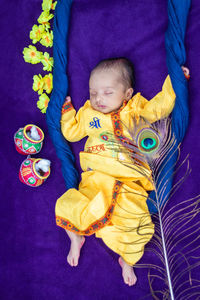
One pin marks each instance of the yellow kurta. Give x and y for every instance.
(111, 199)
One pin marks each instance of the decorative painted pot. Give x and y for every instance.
(24, 144)
(28, 174)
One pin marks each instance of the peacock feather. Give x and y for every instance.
(177, 232)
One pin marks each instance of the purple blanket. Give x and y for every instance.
(33, 250)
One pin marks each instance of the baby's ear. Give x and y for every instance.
(129, 93)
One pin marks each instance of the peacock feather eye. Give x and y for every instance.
(148, 140)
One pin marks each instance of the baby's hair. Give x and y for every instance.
(123, 64)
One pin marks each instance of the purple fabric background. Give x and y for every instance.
(33, 249)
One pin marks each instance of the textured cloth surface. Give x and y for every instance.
(33, 249)
(116, 211)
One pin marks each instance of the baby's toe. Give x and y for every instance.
(133, 280)
(126, 281)
(70, 260)
(130, 281)
(75, 262)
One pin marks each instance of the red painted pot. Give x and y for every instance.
(28, 174)
(24, 144)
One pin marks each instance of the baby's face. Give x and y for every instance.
(107, 93)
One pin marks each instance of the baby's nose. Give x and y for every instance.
(99, 98)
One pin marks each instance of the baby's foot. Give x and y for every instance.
(74, 252)
(127, 273)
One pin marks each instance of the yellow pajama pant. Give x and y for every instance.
(115, 210)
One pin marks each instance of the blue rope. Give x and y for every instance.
(60, 89)
(176, 57)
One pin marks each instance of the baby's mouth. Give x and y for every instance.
(101, 106)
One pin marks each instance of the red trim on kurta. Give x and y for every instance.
(116, 121)
(118, 131)
(98, 224)
(66, 107)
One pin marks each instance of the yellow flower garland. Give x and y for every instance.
(41, 33)
(42, 104)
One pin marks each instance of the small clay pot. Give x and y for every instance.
(24, 144)
(28, 174)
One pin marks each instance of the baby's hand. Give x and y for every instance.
(186, 72)
(68, 99)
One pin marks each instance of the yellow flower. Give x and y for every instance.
(31, 55)
(42, 103)
(47, 39)
(44, 18)
(46, 4)
(47, 62)
(36, 33)
(38, 84)
(48, 83)
(53, 6)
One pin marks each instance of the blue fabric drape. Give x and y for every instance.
(60, 89)
(176, 57)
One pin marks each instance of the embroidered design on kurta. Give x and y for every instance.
(98, 224)
(118, 131)
(117, 124)
(96, 148)
(104, 137)
(95, 123)
(66, 107)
